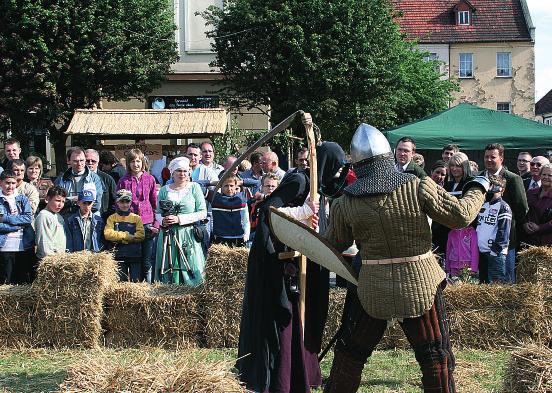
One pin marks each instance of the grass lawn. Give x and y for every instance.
(43, 370)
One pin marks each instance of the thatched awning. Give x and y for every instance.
(154, 123)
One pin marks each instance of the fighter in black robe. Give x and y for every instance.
(271, 354)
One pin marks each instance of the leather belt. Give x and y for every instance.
(390, 261)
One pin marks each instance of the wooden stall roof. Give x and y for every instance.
(156, 123)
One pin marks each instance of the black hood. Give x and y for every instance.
(330, 158)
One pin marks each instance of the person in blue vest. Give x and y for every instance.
(230, 214)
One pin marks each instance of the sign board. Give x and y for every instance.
(183, 102)
(153, 152)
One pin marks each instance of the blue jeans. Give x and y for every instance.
(147, 254)
(510, 266)
(496, 266)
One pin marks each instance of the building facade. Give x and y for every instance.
(487, 45)
(543, 109)
(193, 82)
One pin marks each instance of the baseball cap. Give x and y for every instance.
(86, 196)
(124, 195)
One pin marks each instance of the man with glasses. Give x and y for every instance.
(523, 161)
(78, 178)
(514, 195)
(109, 187)
(270, 164)
(534, 181)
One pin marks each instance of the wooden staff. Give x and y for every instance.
(311, 142)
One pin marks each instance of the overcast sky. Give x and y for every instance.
(541, 14)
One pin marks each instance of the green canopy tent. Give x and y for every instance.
(472, 128)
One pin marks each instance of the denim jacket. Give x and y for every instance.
(75, 230)
(12, 223)
(66, 181)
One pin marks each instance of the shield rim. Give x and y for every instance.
(275, 210)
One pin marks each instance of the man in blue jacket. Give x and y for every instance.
(76, 179)
(84, 229)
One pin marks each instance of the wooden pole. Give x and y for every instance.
(311, 141)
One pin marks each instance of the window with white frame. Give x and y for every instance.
(504, 107)
(463, 17)
(548, 121)
(466, 65)
(431, 57)
(504, 64)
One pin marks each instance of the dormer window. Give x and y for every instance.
(463, 17)
(463, 12)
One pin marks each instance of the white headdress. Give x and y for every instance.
(179, 163)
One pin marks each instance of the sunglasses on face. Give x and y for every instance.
(537, 164)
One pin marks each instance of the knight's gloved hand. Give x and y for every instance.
(480, 182)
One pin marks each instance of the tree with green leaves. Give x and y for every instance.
(344, 61)
(60, 55)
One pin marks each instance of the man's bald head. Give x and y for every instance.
(269, 162)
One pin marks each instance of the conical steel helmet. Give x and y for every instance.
(368, 142)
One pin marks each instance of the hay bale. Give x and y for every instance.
(226, 268)
(222, 314)
(183, 373)
(225, 271)
(161, 315)
(17, 305)
(494, 316)
(70, 290)
(529, 370)
(535, 266)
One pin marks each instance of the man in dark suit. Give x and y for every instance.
(514, 195)
(404, 151)
(534, 181)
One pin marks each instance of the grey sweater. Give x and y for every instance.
(50, 234)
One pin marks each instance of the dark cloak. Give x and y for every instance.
(330, 158)
(266, 307)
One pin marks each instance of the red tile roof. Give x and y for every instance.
(433, 21)
(544, 105)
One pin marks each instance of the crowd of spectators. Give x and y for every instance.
(160, 227)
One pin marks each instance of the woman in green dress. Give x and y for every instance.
(188, 207)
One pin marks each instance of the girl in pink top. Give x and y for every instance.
(144, 202)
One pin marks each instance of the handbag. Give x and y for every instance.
(200, 231)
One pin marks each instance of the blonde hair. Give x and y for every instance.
(270, 176)
(133, 154)
(461, 159)
(34, 160)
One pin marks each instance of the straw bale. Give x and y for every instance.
(226, 268)
(535, 266)
(161, 315)
(70, 289)
(17, 305)
(222, 313)
(225, 271)
(529, 370)
(183, 373)
(494, 316)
